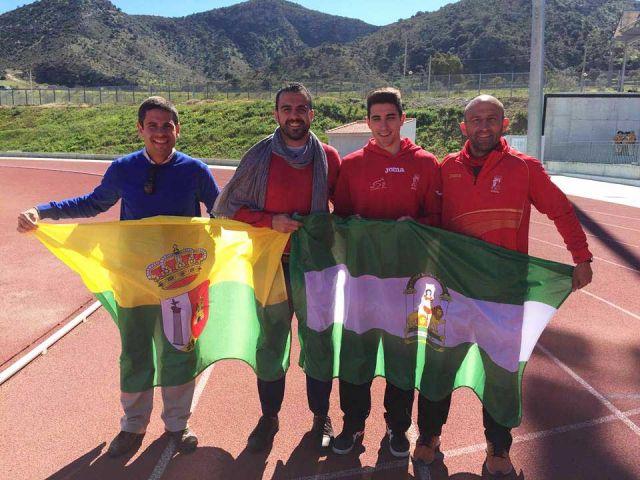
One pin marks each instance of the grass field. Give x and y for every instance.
(216, 129)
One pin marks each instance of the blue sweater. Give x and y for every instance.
(179, 187)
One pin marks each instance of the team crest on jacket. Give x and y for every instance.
(378, 184)
(184, 316)
(426, 315)
(496, 184)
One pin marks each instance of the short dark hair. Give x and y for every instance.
(152, 103)
(384, 95)
(295, 87)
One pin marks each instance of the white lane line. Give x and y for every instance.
(610, 406)
(172, 447)
(527, 437)
(612, 215)
(46, 169)
(624, 396)
(43, 346)
(600, 259)
(48, 159)
(547, 224)
(480, 447)
(358, 471)
(617, 307)
(78, 160)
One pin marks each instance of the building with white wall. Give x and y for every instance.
(355, 135)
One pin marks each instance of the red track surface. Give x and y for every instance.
(59, 412)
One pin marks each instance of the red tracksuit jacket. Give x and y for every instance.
(496, 206)
(377, 185)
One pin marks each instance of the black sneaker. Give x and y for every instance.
(398, 443)
(186, 440)
(124, 442)
(345, 442)
(262, 435)
(323, 429)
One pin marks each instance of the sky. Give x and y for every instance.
(375, 12)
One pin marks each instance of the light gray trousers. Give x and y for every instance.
(175, 412)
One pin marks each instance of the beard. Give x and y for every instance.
(295, 133)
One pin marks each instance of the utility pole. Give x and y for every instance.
(584, 66)
(624, 67)
(406, 43)
(536, 79)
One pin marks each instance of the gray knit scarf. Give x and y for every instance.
(248, 186)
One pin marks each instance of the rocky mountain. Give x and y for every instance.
(91, 42)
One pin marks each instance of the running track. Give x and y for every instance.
(582, 386)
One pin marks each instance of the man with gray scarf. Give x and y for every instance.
(288, 172)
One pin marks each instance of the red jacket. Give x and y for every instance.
(289, 189)
(377, 185)
(496, 206)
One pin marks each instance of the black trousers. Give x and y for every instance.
(272, 393)
(355, 402)
(433, 415)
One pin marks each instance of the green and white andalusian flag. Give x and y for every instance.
(422, 307)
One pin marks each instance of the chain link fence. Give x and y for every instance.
(412, 86)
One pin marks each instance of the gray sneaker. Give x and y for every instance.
(186, 440)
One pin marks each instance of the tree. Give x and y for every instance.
(445, 63)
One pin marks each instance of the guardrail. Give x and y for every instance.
(594, 152)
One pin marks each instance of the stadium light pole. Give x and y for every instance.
(536, 79)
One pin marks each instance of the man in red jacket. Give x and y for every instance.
(390, 178)
(487, 192)
(288, 172)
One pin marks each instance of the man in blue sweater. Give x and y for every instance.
(157, 180)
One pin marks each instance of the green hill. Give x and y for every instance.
(91, 42)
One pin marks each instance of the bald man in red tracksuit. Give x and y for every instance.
(488, 189)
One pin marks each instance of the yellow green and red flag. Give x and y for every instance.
(184, 293)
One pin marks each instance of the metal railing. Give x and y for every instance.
(594, 152)
(412, 86)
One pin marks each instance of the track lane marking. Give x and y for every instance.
(600, 259)
(601, 398)
(172, 446)
(617, 307)
(612, 215)
(527, 437)
(548, 224)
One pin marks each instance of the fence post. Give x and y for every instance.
(26, 96)
(84, 94)
(40, 95)
(69, 94)
(479, 82)
(99, 94)
(511, 90)
(54, 95)
(449, 85)
(207, 91)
